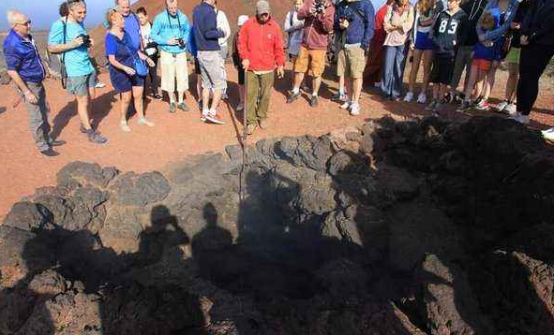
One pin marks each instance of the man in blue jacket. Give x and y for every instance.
(171, 31)
(212, 67)
(355, 25)
(25, 68)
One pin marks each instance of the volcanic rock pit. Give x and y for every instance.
(398, 228)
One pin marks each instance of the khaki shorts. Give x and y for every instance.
(80, 85)
(314, 60)
(174, 66)
(351, 62)
(212, 68)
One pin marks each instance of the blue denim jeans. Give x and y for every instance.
(394, 70)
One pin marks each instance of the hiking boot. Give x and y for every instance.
(56, 143)
(49, 152)
(293, 96)
(263, 124)
(144, 121)
(95, 137)
(338, 98)
(183, 107)
(409, 97)
(212, 117)
(251, 128)
(172, 108)
(314, 101)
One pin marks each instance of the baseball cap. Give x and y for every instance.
(242, 20)
(262, 7)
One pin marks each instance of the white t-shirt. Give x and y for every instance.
(223, 24)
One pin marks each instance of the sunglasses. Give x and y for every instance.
(264, 15)
(26, 23)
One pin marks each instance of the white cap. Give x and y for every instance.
(242, 20)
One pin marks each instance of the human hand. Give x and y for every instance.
(172, 42)
(488, 44)
(150, 62)
(412, 46)
(142, 56)
(31, 98)
(129, 71)
(91, 42)
(344, 24)
(515, 25)
(524, 40)
(77, 42)
(245, 64)
(280, 72)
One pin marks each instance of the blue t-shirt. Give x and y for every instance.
(121, 49)
(483, 53)
(132, 28)
(77, 61)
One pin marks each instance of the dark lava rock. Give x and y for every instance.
(85, 174)
(27, 216)
(140, 190)
(306, 151)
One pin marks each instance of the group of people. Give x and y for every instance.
(447, 36)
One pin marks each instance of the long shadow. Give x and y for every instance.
(101, 106)
(2, 109)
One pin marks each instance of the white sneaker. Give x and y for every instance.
(511, 109)
(520, 118)
(355, 109)
(548, 134)
(100, 85)
(144, 121)
(240, 107)
(422, 98)
(124, 126)
(501, 106)
(409, 97)
(346, 106)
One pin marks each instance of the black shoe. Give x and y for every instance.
(293, 96)
(157, 96)
(183, 107)
(338, 98)
(57, 143)
(96, 138)
(314, 101)
(49, 152)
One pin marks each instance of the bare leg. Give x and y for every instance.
(357, 89)
(511, 84)
(491, 76)
(415, 69)
(298, 78)
(171, 97)
(317, 85)
(205, 99)
(471, 83)
(217, 98)
(125, 102)
(427, 62)
(82, 110)
(181, 96)
(342, 87)
(139, 102)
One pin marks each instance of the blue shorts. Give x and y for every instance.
(424, 42)
(122, 82)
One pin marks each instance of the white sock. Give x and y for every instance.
(341, 91)
(296, 90)
(205, 111)
(314, 94)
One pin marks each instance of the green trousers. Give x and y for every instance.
(258, 94)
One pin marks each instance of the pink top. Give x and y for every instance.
(398, 26)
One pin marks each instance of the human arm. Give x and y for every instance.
(305, 11)
(225, 27)
(369, 24)
(244, 53)
(13, 64)
(387, 21)
(408, 23)
(56, 43)
(494, 35)
(327, 18)
(279, 51)
(210, 30)
(156, 33)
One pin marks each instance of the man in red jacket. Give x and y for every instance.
(261, 50)
(319, 18)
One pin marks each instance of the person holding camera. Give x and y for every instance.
(122, 56)
(151, 50)
(355, 24)
(318, 16)
(69, 38)
(24, 66)
(171, 32)
(261, 49)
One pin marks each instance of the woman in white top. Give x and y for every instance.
(151, 50)
(223, 25)
(422, 47)
(294, 28)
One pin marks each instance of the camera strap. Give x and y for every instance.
(178, 20)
